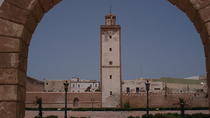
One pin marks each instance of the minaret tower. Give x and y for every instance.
(110, 62)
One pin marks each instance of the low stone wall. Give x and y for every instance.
(160, 100)
(56, 99)
(89, 100)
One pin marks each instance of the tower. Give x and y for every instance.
(110, 62)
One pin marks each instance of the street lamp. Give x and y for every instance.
(147, 84)
(66, 84)
(39, 102)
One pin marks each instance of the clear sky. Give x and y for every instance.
(158, 40)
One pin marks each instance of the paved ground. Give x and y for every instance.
(103, 114)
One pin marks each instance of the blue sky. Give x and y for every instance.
(158, 40)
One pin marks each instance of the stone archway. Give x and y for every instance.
(18, 20)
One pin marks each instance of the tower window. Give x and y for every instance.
(110, 92)
(110, 49)
(110, 62)
(110, 76)
(127, 90)
(137, 90)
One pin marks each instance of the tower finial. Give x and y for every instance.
(110, 9)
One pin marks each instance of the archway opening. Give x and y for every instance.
(9, 20)
(76, 102)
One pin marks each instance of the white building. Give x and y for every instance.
(75, 85)
(138, 86)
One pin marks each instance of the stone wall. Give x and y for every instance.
(160, 100)
(34, 85)
(89, 100)
(56, 99)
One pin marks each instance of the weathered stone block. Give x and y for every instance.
(37, 11)
(31, 23)
(208, 27)
(10, 28)
(9, 60)
(12, 76)
(25, 4)
(11, 93)
(9, 44)
(9, 110)
(26, 38)
(205, 14)
(56, 1)
(198, 4)
(46, 4)
(13, 13)
(13, 60)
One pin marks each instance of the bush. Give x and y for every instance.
(115, 109)
(174, 116)
(133, 117)
(52, 116)
(127, 105)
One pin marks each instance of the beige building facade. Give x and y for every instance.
(138, 86)
(76, 85)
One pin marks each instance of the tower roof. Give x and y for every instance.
(110, 19)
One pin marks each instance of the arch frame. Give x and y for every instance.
(18, 21)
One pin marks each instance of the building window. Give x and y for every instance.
(110, 92)
(95, 85)
(137, 90)
(46, 83)
(73, 85)
(127, 90)
(110, 62)
(110, 76)
(78, 85)
(110, 49)
(156, 88)
(110, 36)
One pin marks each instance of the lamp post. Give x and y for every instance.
(66, 84)
(147, 84)
(39, 102)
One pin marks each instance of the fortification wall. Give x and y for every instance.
(158, 100)
(56, 99)
(89, 100)
(34, 85)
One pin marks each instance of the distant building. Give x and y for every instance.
(75, 85)
(196, 78)
(138, 86)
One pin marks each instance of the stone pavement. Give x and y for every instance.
(105, 114)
